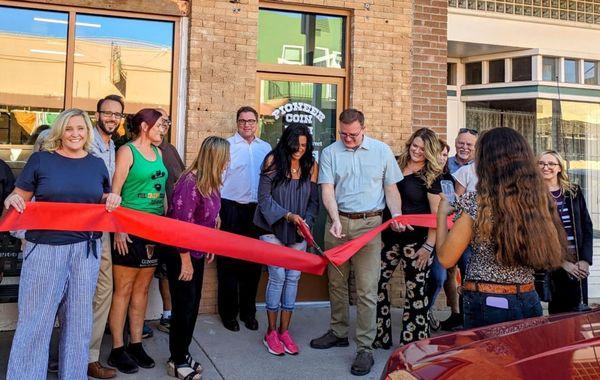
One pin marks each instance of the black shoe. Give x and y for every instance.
(362, 363)
(137, 353)
(147, 331)
(455, 320)
(231, 325)
(121, 360)
(329, 340)
(251, 323)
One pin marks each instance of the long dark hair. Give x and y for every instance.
(514, 206)
(280, 159)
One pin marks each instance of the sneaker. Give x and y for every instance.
(329, 340)
(273, 344)
(289, 345)
(141, 358)
(434, 323)
(147, 331)
(121, 360)
(362, 363)
(165, 324)
(455, 320)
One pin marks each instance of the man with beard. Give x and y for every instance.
(465, 149)
(109, 113)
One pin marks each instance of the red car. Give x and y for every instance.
(565, 346)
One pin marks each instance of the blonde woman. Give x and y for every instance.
(413, 250)
(60, 268)
(196, 199)
(569, 283)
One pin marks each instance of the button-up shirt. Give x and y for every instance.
(106, 153)
(454, 165)
(240, 181)
(359, 175)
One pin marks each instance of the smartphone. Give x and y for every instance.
(448, 190)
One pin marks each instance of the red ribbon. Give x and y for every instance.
(94, 217)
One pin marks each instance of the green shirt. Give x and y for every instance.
(144, 188)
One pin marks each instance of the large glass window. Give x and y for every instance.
(590, 72)
(549, 69)
(294, 38)
(129, 57)
(473, 73)
(521, 69)
(496, 69)
(571, 71)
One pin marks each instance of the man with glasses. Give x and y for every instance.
(465, 149)
(109, 113)
(358, 177)
(238, 279)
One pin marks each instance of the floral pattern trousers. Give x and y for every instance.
(415, 324)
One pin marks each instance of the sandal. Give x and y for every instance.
(182, 371)
(194, 364)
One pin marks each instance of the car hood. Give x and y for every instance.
(556, 347)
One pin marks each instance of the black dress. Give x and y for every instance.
(399, 248)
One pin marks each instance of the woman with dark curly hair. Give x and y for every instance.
(420, 191)
(512, 226)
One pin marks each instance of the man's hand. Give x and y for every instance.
(336, 229)
(399, 227)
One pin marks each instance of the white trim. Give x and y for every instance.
(528, 19)
(518, 52)
(183, 87)
(528, 95)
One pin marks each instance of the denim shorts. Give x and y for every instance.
(479, 313)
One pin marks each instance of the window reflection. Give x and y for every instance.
(570, 71)
(293, 38)
(129, 57)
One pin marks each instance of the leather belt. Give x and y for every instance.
(360, 215)
(487, 287)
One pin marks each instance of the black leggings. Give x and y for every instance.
(185, 299)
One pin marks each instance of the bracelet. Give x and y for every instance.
(287, 216)
(427, 247)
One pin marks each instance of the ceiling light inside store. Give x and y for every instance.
(57, 21)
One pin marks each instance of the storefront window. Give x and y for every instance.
(32, 77)
(473, 73)
(521, 69)
(294, 38)
(590, 72)
(129, 57)
(496, 69)
(549, 68)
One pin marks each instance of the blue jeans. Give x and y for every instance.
(439, 274)
(283, 283)
(520, 306)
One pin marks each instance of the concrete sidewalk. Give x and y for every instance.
(241, 355)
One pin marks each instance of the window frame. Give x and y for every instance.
(513, 76)
(72, 12)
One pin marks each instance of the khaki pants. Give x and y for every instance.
(366, 264)
(102, 299)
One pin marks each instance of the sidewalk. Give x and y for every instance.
(241, 355)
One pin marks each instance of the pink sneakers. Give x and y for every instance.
(273, 344)
(288, 343)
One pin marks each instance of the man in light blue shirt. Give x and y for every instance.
(358, 177)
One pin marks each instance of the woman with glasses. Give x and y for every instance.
(512, 227)
(569, 282)
(140, 178)
(420, 189)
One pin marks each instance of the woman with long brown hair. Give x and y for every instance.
(413, 250)
(569, 282)
(513, 229)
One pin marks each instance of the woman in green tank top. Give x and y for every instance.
(140, 178)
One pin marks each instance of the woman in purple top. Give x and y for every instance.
(196, 199)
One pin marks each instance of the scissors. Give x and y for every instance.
(310, 240)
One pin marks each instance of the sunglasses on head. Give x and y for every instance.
(474, 132)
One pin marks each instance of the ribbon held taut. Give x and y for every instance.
(94, 217)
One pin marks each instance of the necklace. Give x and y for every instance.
(560, 193)
(294, 171)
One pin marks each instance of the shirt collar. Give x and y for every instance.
(239, 139)
(99, 141)
(366, 144)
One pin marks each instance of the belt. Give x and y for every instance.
(487, 287)
(360, 215)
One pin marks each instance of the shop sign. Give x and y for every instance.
(297, 112)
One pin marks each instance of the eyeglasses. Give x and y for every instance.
(550, 165)
(165, 124)
(116, 115)
(250, 122)
(158, 174)
(474, 132)
(350, 135)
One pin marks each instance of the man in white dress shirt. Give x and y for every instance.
(238, 279)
